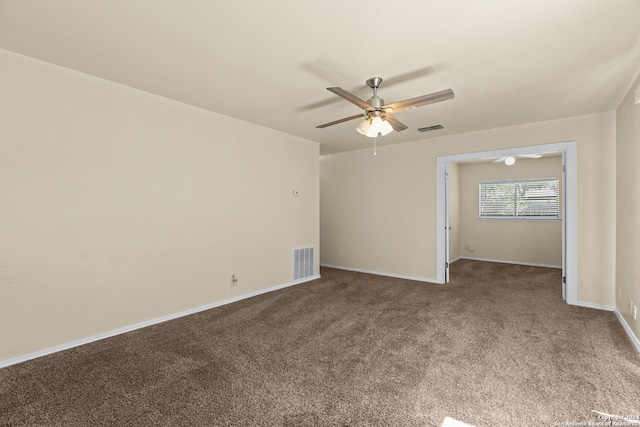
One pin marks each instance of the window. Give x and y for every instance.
(525, 199)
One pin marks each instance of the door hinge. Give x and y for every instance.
(446, 264)
(564, 279)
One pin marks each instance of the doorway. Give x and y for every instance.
(569, 209)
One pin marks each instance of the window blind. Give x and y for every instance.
(525, 199)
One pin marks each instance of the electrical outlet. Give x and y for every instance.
(635, 312)
(234, 279)
(631, 306)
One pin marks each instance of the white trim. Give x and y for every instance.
(378, 273)
(621, 319)
(531, 264)
(570, 214)
(441, 218)
(511, 181)
(570, 221)
(87, 340)
(515, 151)
(595, 306)
(520, 218)
(627, 328)
(451, 261)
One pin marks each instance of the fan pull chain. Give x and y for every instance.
(375, 151)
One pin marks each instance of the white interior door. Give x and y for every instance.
(564, 228)
(447, 227)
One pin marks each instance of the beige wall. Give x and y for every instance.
(119, 207)
(628, 209)
(379, 213)
(532, 242)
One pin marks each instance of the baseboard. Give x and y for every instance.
(66, 346)
(509, 262)
(627, 328)
(379, 273)
(451, 261)
(621, 319)
(594, 306)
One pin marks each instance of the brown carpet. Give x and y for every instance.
(496, 347)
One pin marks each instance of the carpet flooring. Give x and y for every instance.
(495, 347)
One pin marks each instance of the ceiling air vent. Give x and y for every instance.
(428, 128)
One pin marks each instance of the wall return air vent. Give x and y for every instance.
(303, 259)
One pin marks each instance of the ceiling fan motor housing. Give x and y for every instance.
(374, 82)
(375, 101)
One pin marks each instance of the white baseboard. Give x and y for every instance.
(451, 261)
(594, 306)
(627, 328)
(87, 340)
(624, 323)
(66, 346)
(621, 319)
(508, 262)
(378, 273)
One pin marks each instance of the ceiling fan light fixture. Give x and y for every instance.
(372, 127)
(376, 127)
(364, 126)
(386, 128)
(510, 161)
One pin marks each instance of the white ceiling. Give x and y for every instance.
(270, 62)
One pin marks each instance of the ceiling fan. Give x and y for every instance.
(377, 114)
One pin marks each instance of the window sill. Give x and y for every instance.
(520, 218)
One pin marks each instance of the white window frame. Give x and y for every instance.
(517, 217)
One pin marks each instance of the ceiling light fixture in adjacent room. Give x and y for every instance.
(510, 161)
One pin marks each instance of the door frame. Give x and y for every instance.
(569, 214)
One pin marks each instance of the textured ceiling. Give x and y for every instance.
(270, 62)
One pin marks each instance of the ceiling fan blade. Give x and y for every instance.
(346, 119)
(395, 123)
(419, 101)
(531, 156)
(500, 160)
(411, 75)
(319, 104)
(350, 97)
